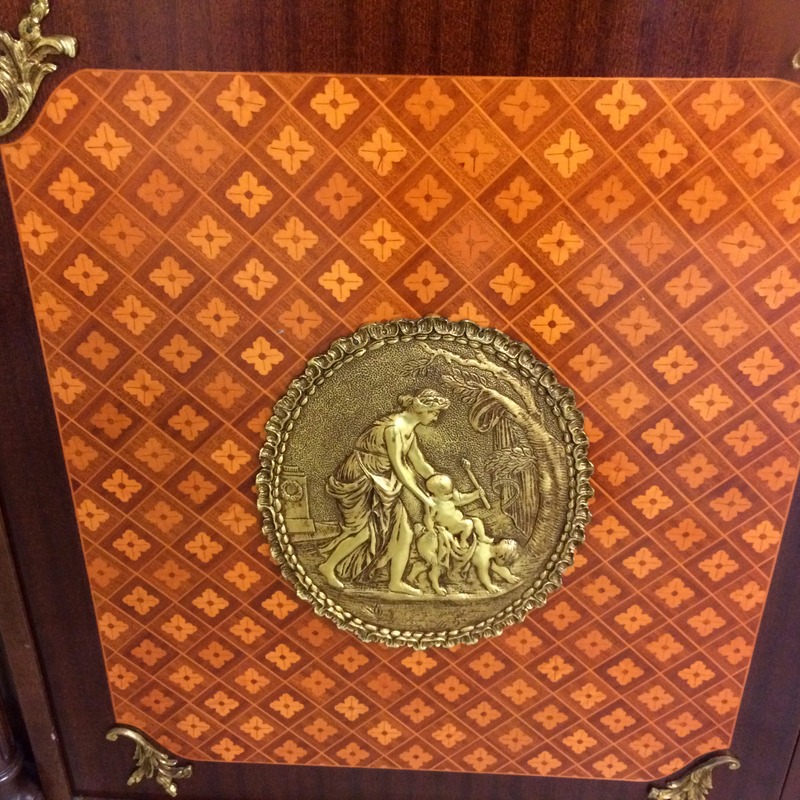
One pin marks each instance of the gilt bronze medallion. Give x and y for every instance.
(425, 482)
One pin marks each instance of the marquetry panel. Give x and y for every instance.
(191, 239)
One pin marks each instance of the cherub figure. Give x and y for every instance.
(445, 510)
(449, 536)
(495, 558)
(445, 531)
(435, 547)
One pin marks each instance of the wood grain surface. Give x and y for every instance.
(673, 38)
(680, 38)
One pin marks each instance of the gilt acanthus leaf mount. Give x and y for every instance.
(23, 63)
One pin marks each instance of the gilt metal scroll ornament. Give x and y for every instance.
(696, 783)
(23, 63)
(425, 482)
(151, 762)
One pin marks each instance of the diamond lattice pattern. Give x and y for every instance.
(191, 239)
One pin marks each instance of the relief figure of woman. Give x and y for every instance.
(368, 487)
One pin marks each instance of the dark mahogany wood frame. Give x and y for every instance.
(48, 631)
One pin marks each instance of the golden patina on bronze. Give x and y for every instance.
(696, 783)
(425, 482)
(23, 63)
(151, 761)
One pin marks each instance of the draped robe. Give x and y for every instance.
(367, 492)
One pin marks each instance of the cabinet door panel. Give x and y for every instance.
(40, 495)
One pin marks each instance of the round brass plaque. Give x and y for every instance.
(425, 482)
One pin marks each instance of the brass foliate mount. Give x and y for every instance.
(695, 784)
(23, 63)
(151, 762)
(796, 60)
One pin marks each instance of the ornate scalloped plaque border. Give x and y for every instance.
(383, 542)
